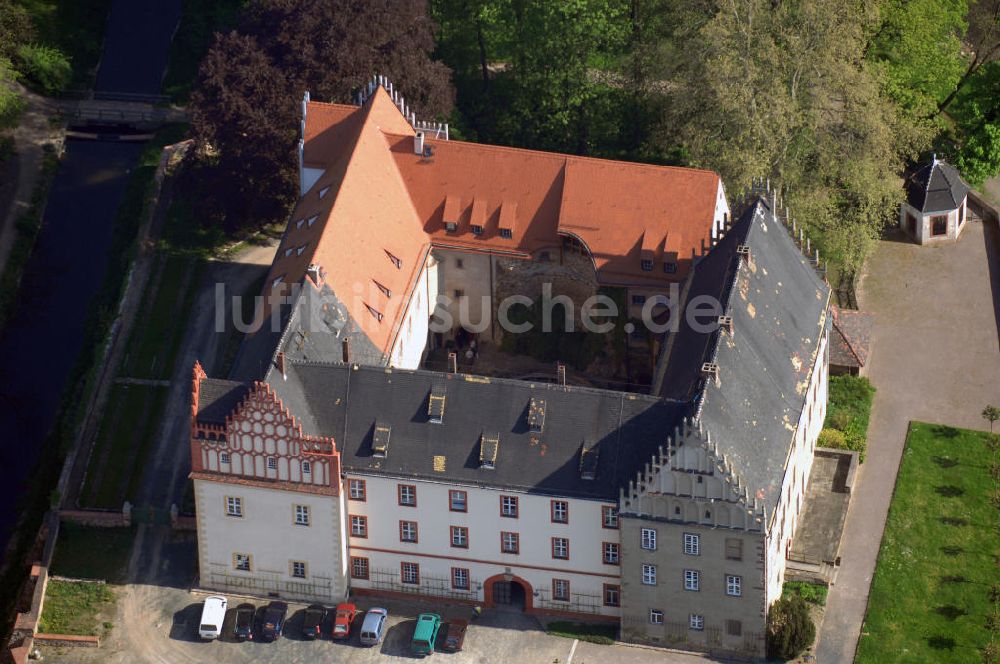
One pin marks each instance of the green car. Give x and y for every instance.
(425, 634)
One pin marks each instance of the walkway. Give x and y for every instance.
(936, 358)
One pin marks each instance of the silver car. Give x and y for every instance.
(373, 628)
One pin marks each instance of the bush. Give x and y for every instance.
(790, 628)
(590, 632)
(848, 411)
(832, 438)
(46, 67)
(813, 593)
(11, 103)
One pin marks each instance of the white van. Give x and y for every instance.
(212, 616)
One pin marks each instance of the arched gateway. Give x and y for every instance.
(507, 590)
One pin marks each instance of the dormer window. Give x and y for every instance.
(300, 250)
(288, 252)
(380, 440)
(384, 289)
(536, 415)
(323, 192)
(312, 220)
(398, 262)
(435, 406)
(277, 281)
(588, 460)
(647, 265)
(506, 233)
(477, 230)
(451, 226)
(669, 267)
(375, 312)
(489, 445)
(300, 223)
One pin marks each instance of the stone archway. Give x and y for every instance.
(507, 590)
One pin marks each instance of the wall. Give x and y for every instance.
(469, 273)
(268, 533)
(956, 223)
(534, 564)
(411, 340)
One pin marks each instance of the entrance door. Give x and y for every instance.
(501, 592)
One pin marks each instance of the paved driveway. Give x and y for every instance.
(936, 358)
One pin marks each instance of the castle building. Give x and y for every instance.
(935, 209)
(330, 464)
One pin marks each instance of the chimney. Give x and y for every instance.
(726, 323)
(711, 369)
(280, 362)
(346, 349)
(418, 143)
(453, 363)
(561, 373)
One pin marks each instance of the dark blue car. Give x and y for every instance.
(272, 621)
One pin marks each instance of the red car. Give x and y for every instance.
(342, 622)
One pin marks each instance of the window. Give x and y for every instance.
(301, 515)
(359, 526)
(410, 573)
(638, 299)
(669, 267)
(649, 575)
(407, 495)
(692, 544)
(288, 252)
(611, 553)
(277, 282)
(224, 457)
(647, 265)
(307, 467)
(459, 293)
(356, 489)
(734, 628)
(477, 229)
(508, 506)
(450, 226)
(234, 506)
(407, 531)
(459, 263)
(692, 579)
(300, 250)
(458, 501)
(734, 585)
(560, 548)
(609, 517)
(655, 617)
(509, 543)
(242, 562)
(560, 590)
(298, 569)
(612, 595)
(506, 233)
(359, 568)
(649, 539)
(385, 289)
(374, 312)
(460, 537)
(459, 578)
(272, 463)
(734, 548)
(696, 622)
(312, 220)
(323, 191)
(398, 262)
(939, 225)
(560, 511)
(300, 223)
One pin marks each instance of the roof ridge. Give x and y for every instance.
(846, 338)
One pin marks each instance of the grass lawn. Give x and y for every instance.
(83, 552)
(592, 632)
(130, 423)
(159, 328)
(930, 599)
(75, 27)
(200, 20)
(73, 607)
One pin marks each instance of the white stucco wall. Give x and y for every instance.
(469, 273)
(267, 531)
(956, 222)
(411, 340)
(584, 569)
(722, 211)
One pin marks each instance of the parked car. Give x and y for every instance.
(456, 635)
(373, 628)
(425, 634)
(312, 621)
(212, 616)
(346, 613)
(272, 621)
(243, 625)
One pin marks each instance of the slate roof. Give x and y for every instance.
(217, 399)
(778, 305)
(851, 337)
(935, 187)
(345, 402)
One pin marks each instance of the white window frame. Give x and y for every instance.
(655, 617)
(692, 544)
(362, 523)
(408, 531)
(560, 507)
(611, 554)
(272, 463)
(457, 572)
(224, 458)
(513, 538)
(560, 548)
(453, 500)
(242, 562)
(648, 539)
(415, 568)
(462, 539)
(692, 580)
(410, 493)
(301, 515)
(234, 506)
(356, 489)
(696, 622)
(734, 585)
(306, 467)
(509, 507)
(298, 564)
(648, 574)
(563, 584)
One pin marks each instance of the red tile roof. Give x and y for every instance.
(383, 202)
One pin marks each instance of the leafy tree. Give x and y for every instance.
(790, 629)
(991, 414)
(10, 101)
(245, 106)
(982, 41)
(16, 28)
(45, 66)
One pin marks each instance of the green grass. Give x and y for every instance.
(814, 593)
(848, 410)
(73, 607)
(590, 632)
(128, 428)
(75, 27)
(200, 20)
(84, 552)
(930, 600)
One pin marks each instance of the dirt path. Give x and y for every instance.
(935, 358)
(30, 135)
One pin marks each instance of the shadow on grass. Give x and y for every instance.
(953, 521)
(944, 462)
(949, 491)
(950, 611)
(941, 643)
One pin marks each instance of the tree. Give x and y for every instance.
(982, 40)
(790, 629)
(245, 106)
(11, 103)
(991, 414)
(16, 28)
